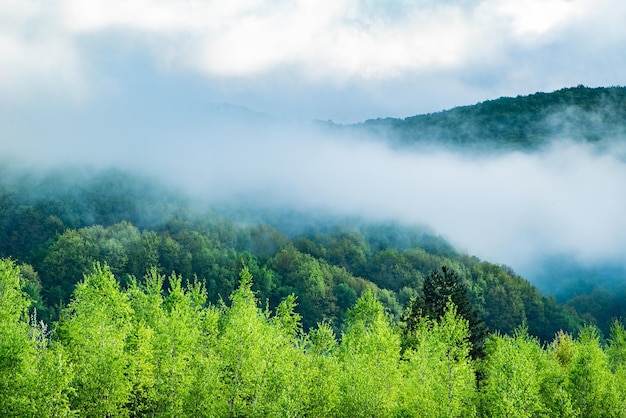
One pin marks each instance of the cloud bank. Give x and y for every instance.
(512, 209)
(404, 57)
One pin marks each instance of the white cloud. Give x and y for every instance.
(514, 208)
(37, 54)
(489, 47)
(338, 59)
(334, 39)
(534, 18)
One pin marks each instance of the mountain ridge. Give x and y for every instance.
(525, 123)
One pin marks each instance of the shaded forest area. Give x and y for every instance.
(522, 123)
(57, 229)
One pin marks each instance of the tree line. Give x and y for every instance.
(522, 123)
(57, 228)
(326, 271)
(157, 347)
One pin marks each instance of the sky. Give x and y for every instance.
(215, 96)
(346, 60)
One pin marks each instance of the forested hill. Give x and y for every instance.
(521, 123)
(57, 229)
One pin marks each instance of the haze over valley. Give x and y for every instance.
(517, 206)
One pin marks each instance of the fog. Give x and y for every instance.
(510, 208)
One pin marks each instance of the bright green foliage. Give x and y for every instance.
(241, 340)
(142, 370)
(175, 367)
(324, 371)
(186, 381)
(369, 354)
(53, 384)
(512, 378)
(589, 379)
(13, 312)
(259, 360)
(159, 349)
(616, 353)
(440, 379)
(556, 400)
(95, 329)
(16, 349)
(34, 377)
(616, 350)
(287, 319)
(146, 302)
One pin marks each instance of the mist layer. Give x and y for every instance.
(514, 208)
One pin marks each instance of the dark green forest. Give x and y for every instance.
(121, 297)
(58, 228)
(526, 123)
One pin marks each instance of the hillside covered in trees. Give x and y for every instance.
(58, 228)
(62, 221)
(525, 123)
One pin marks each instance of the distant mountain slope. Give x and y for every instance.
(521, 123)
(59, 225)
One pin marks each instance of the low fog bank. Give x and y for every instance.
(517, 209)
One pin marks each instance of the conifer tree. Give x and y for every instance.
(441, 287)
(438, 373)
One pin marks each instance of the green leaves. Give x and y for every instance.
(16, 349)
(589, 380)
(369, 354)
(157, 348)
(440, 379)
(95, 329)
(34, 375)
(512, 373)
(440, 289)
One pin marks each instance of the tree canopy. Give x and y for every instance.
(159, 348)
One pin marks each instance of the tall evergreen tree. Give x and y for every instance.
(439, 288)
